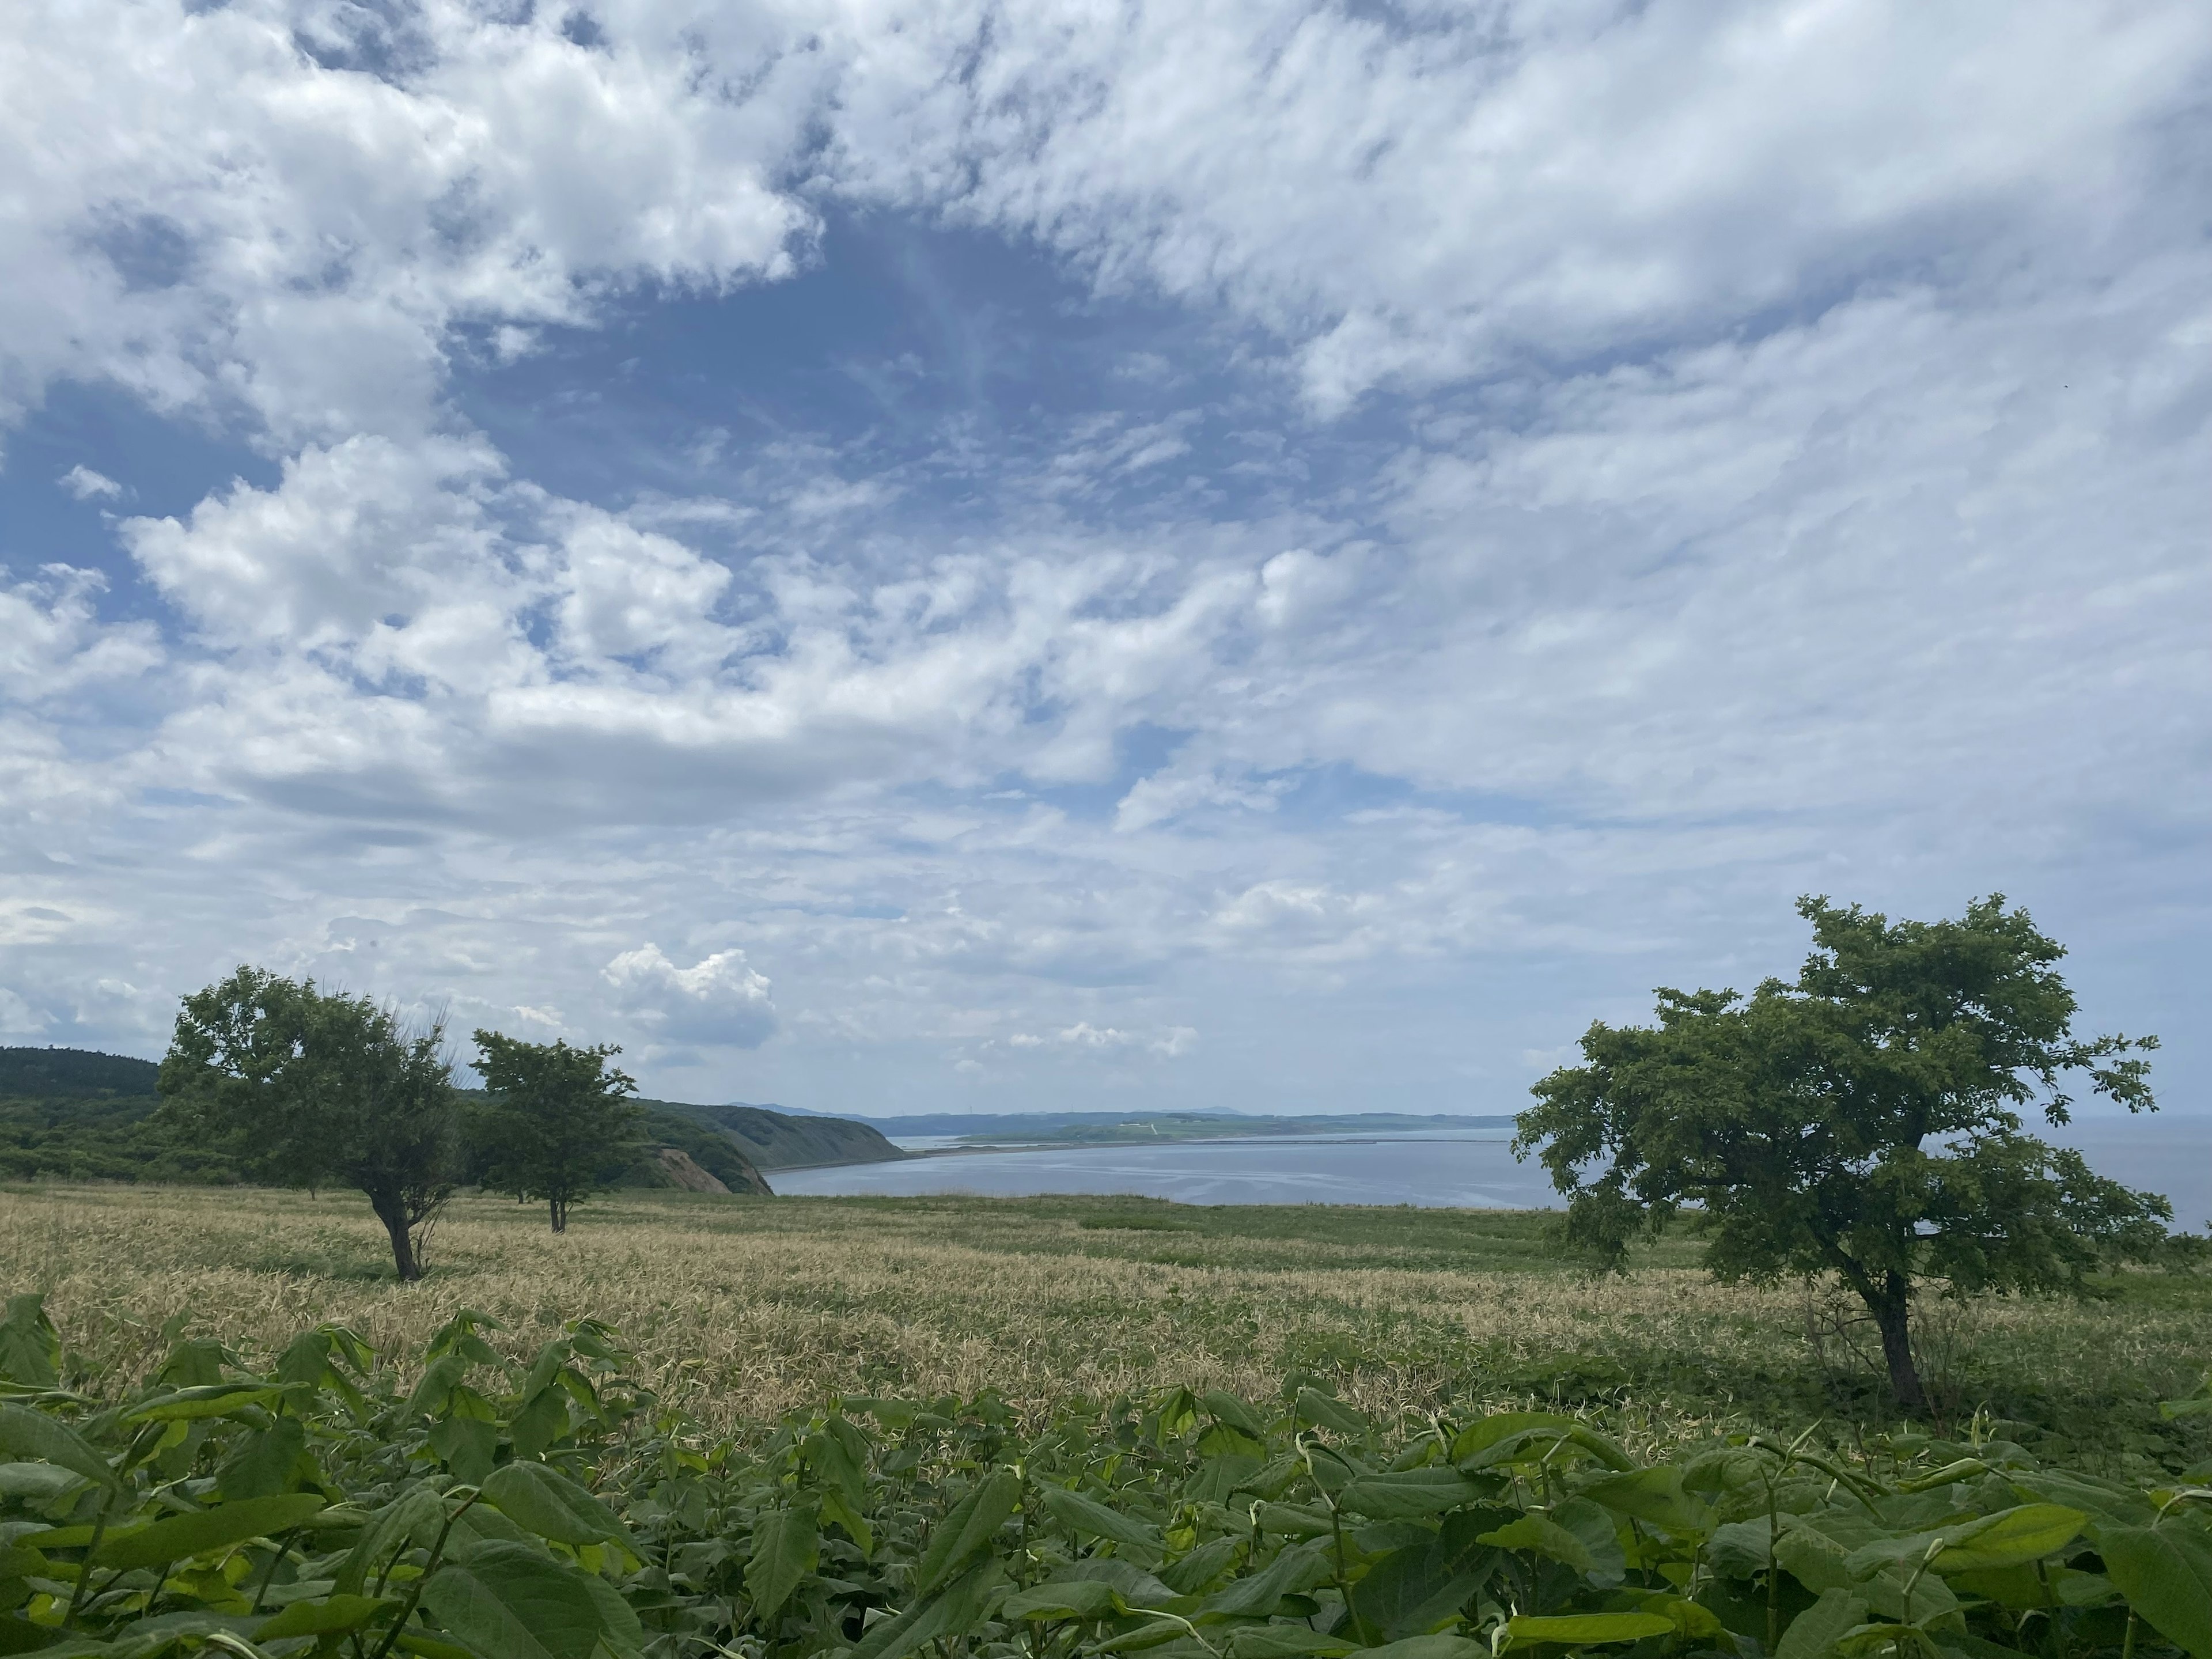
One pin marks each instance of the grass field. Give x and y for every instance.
(745, 1309)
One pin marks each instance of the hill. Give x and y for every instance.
(76, 1114)
(775, 1140)
(73, 1074)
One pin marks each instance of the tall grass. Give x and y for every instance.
(745, 1309)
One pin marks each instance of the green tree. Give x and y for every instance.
(555, 1123)
(312, 1088)
(1863, 1121)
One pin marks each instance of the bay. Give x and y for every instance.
(2169, 1154)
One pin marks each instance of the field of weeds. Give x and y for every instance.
(745, 1309)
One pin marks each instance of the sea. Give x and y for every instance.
(2170, 1153)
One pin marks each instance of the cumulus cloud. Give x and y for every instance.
(86, 485)
(717, 1000)
(282, 207)
(1593, 472)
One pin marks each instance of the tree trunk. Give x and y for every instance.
(560, 1215)
(391, 1211)
(1892, 1315)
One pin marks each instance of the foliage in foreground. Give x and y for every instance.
(560, 1512)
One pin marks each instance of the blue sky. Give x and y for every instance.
(896, 556)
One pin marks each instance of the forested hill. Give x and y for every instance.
(776, 1140)
(72, 1074)
(75, 1114)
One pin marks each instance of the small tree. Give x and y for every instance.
(1860, 1121)
(554, 1122)
(316, 1088)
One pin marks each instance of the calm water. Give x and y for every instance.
(2168, 1154)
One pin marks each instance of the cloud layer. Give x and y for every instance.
(1498, 502)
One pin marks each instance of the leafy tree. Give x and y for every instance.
(311, 1088)
(1863, 1121)
(555, 1124)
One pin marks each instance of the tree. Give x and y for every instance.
(554, 1122)
(1863, 1121)
(312, 1088)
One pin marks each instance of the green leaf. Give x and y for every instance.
(467, 1445)
(1284, 1642)
(1299, 1520)
(1413, 1590)
(1126, 1579)
(953, 1611)
(416, 1509)
(264, 1463)
(551, 1504)
(1812, 1634)
(1316, 1407)
(970, 1526)
(209, 1400)
(1428, 1647)
(1537, 1535)
(619, 1630)
(220, 1528)
(30, 1350)
(1479, 1436)
(1259, 1595)
(331, 1614)
(1195, 1571)
(1086, 1514)
(834, 1468)
(539, 1424)
(1598, 1533)
(2166, 1573)
(835, 1509)
(512, 1601)
(1220, 1477)
(787, 1546)
(1656, 1497)
(1409, 1493)
(2011, 1538)
(1587, 1629)
(1545, 1443)
(1074, 1598)
(34, 1435)
(1228, 1408)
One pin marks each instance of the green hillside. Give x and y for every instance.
(774, 1140)
(73, 1074)
(75, 1114)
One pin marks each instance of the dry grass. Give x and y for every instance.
(747, 1309)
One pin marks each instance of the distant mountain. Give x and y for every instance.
(1102, 1128)
(1031, 1123)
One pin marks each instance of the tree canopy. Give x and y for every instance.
(309, 1087)
(1864, 1121)
(554, 1122)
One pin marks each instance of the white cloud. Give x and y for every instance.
(1781, 468)
(718, 1000)
(283, 208)
(1420, 195)
(1084, 1037)
(81, 482)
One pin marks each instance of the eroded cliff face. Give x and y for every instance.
(681, 1170)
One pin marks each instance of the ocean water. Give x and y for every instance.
(2168, 1153)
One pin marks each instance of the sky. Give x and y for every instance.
(894, 555)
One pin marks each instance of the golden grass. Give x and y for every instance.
(745, 1309)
